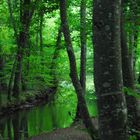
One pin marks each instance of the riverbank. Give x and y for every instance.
(75, 132)
(27, 101)
(64, 134)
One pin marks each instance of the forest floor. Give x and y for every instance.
(64, 134)
(76, 132)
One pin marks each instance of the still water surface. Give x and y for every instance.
(58, 114)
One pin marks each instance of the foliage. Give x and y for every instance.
(37, 64)
(131, 92)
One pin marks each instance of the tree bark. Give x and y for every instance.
(40, 30)
(83, 45)
(128, 77)
(107, 70)
(2, 81)
(25, 19)
(16, 37)
(73, 70)
(83, 51)
(9, 91)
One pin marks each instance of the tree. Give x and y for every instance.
(107, 70)
(83, 45)
(22, 40)
(127, 72)
(21, 35)
(73, 70)
(83, 39)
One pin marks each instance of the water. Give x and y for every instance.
(58, 114)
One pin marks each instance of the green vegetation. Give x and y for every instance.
(65, 61)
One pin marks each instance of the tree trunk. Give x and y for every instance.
(24, 78)
(2, 81)
(107, 70)
(131, 49)
(83, 51)
(9, 91)
(40, 30)
(128, 77)
(16, 37)
(83, 45)
(25, 19)
(18, 71)
(12, 18)
(73, 70)
(37, 39)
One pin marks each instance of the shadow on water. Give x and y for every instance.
(58, 114)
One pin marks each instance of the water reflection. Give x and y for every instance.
(35, 121)
(28, 123)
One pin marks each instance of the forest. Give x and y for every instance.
(69, 70)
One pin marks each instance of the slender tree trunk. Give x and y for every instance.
(131, 49)
(134, 8)
(18, 71)
(2, 82)
(16, 37)
(128, 77)
(26, 13)
(11, 81)
(73, 71)
(12, 18)
(24, 78)
(83, 51)
(107, 70)
(25, 19)
(83, 45)
(37, 39)
(40, 30)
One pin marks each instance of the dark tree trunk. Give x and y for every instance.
(2, 82)
(83, 50)
(131, 50)
(18, 71)
(25, 19)
(37, 39)
(9, 91)
(107, 70)
(83, 45)
(12, 19)
(26, 12)
(40, 30)
(73, 70)
(128, 77)
(24, 78)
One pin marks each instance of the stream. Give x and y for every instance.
(60, 113)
